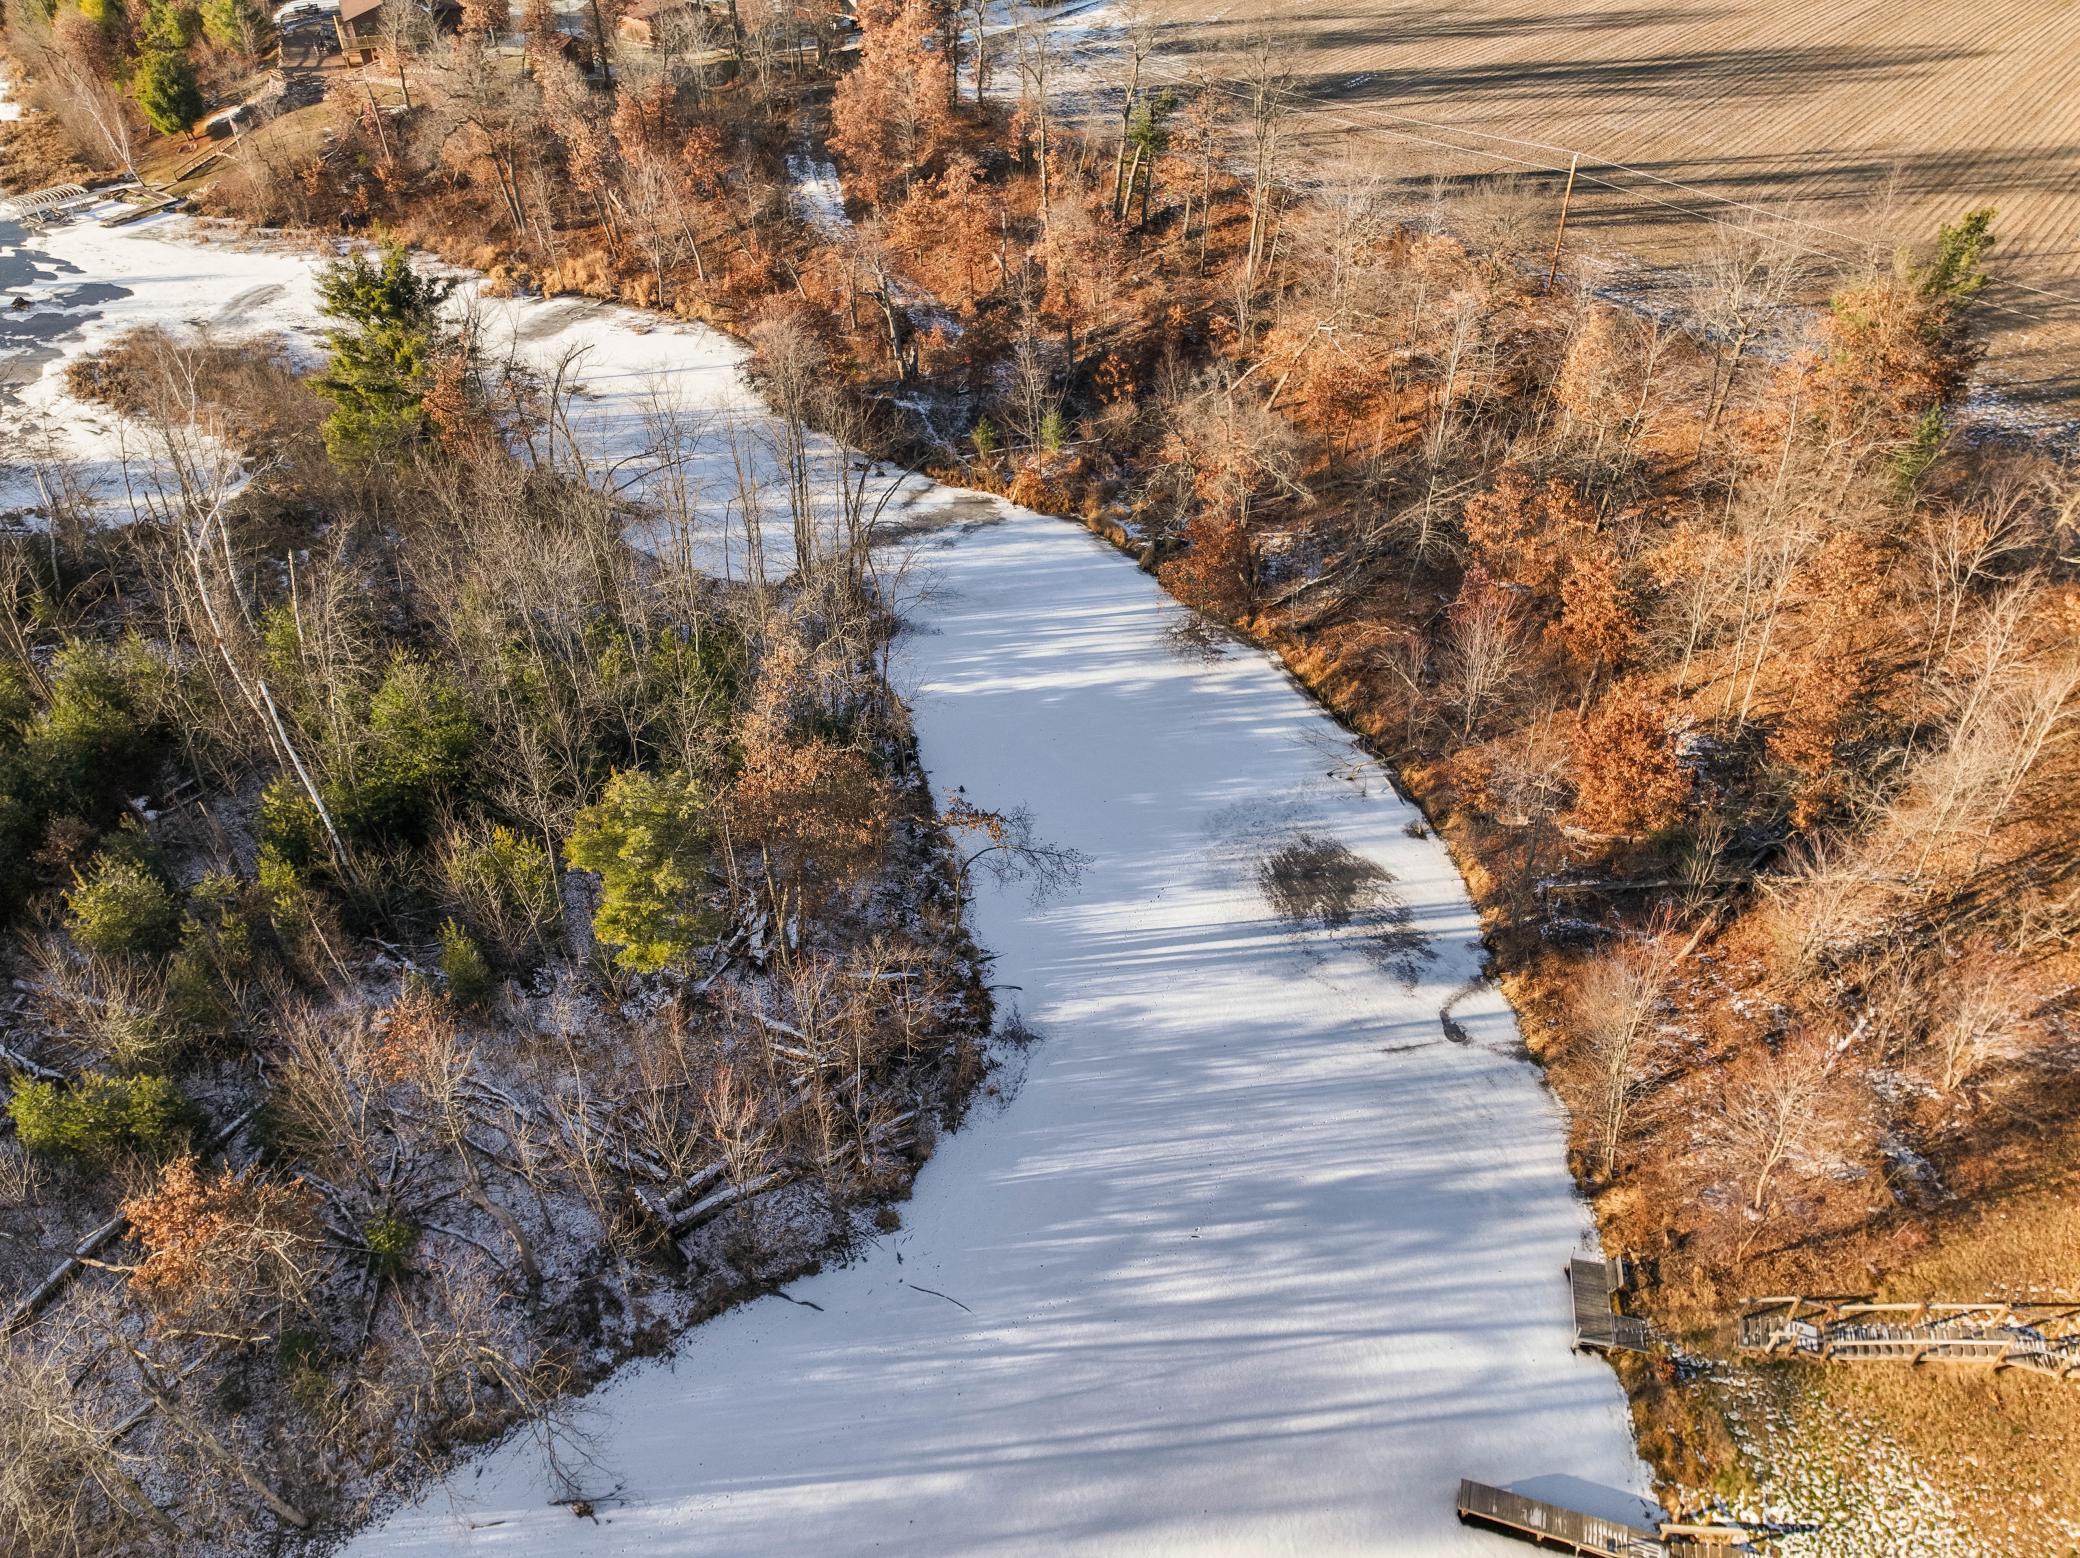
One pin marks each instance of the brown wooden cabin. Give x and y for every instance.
(360, 24)
(646, 22)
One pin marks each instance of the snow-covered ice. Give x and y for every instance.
(1255, 1259)
(1251, 1254)
(221, 287)
(642, 382)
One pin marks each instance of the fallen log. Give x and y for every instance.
(775, 1025)
(681, 1193)
(893, 1131)
(709, 1207)
(23, 1063)
(64, 1271)
(664, 1208)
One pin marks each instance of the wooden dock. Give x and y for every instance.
(1996, 1335)
(1598, 1327)
(1554, 1525)
(40, 202)
(148, 202)
(1544, 1523)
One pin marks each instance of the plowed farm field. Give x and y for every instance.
(1856, 125)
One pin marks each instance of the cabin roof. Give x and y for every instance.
(354, 10)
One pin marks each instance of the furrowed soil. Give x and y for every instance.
(1865, 124)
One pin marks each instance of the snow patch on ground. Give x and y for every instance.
(818, 195)
(1840, 1487)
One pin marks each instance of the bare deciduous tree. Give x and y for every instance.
(1006, 847)
(1787, 1114)
(1984, 1015)
(406, 28)
(1484, 644)
(1035, 55)
(1618, 1009)
(1740, 288)
(194, 472)
(1265, 84)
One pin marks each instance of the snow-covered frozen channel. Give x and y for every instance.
(1255, 1260)
(1254, 1256)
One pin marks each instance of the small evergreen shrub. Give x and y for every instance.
(64, 766)
(306, 1362)
(100, 1117)
(469, 977)
(290, 829)
(647, 837)
(122, 911)
(20, 830)
(421, 739)
(1918, 456)
(16, 707)
(99, 733)
(215, 955)
(390, 1240)
(284, 890)
(1054, 430)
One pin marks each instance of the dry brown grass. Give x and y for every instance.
(247, 381)
(1994, 1435)
(34, 155)
(2005, 1450)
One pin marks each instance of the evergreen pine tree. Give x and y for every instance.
(166, 91)
(239, 26)
(383, 355)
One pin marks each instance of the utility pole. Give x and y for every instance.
(1567, 196)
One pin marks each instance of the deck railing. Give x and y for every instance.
(2041, 1337)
